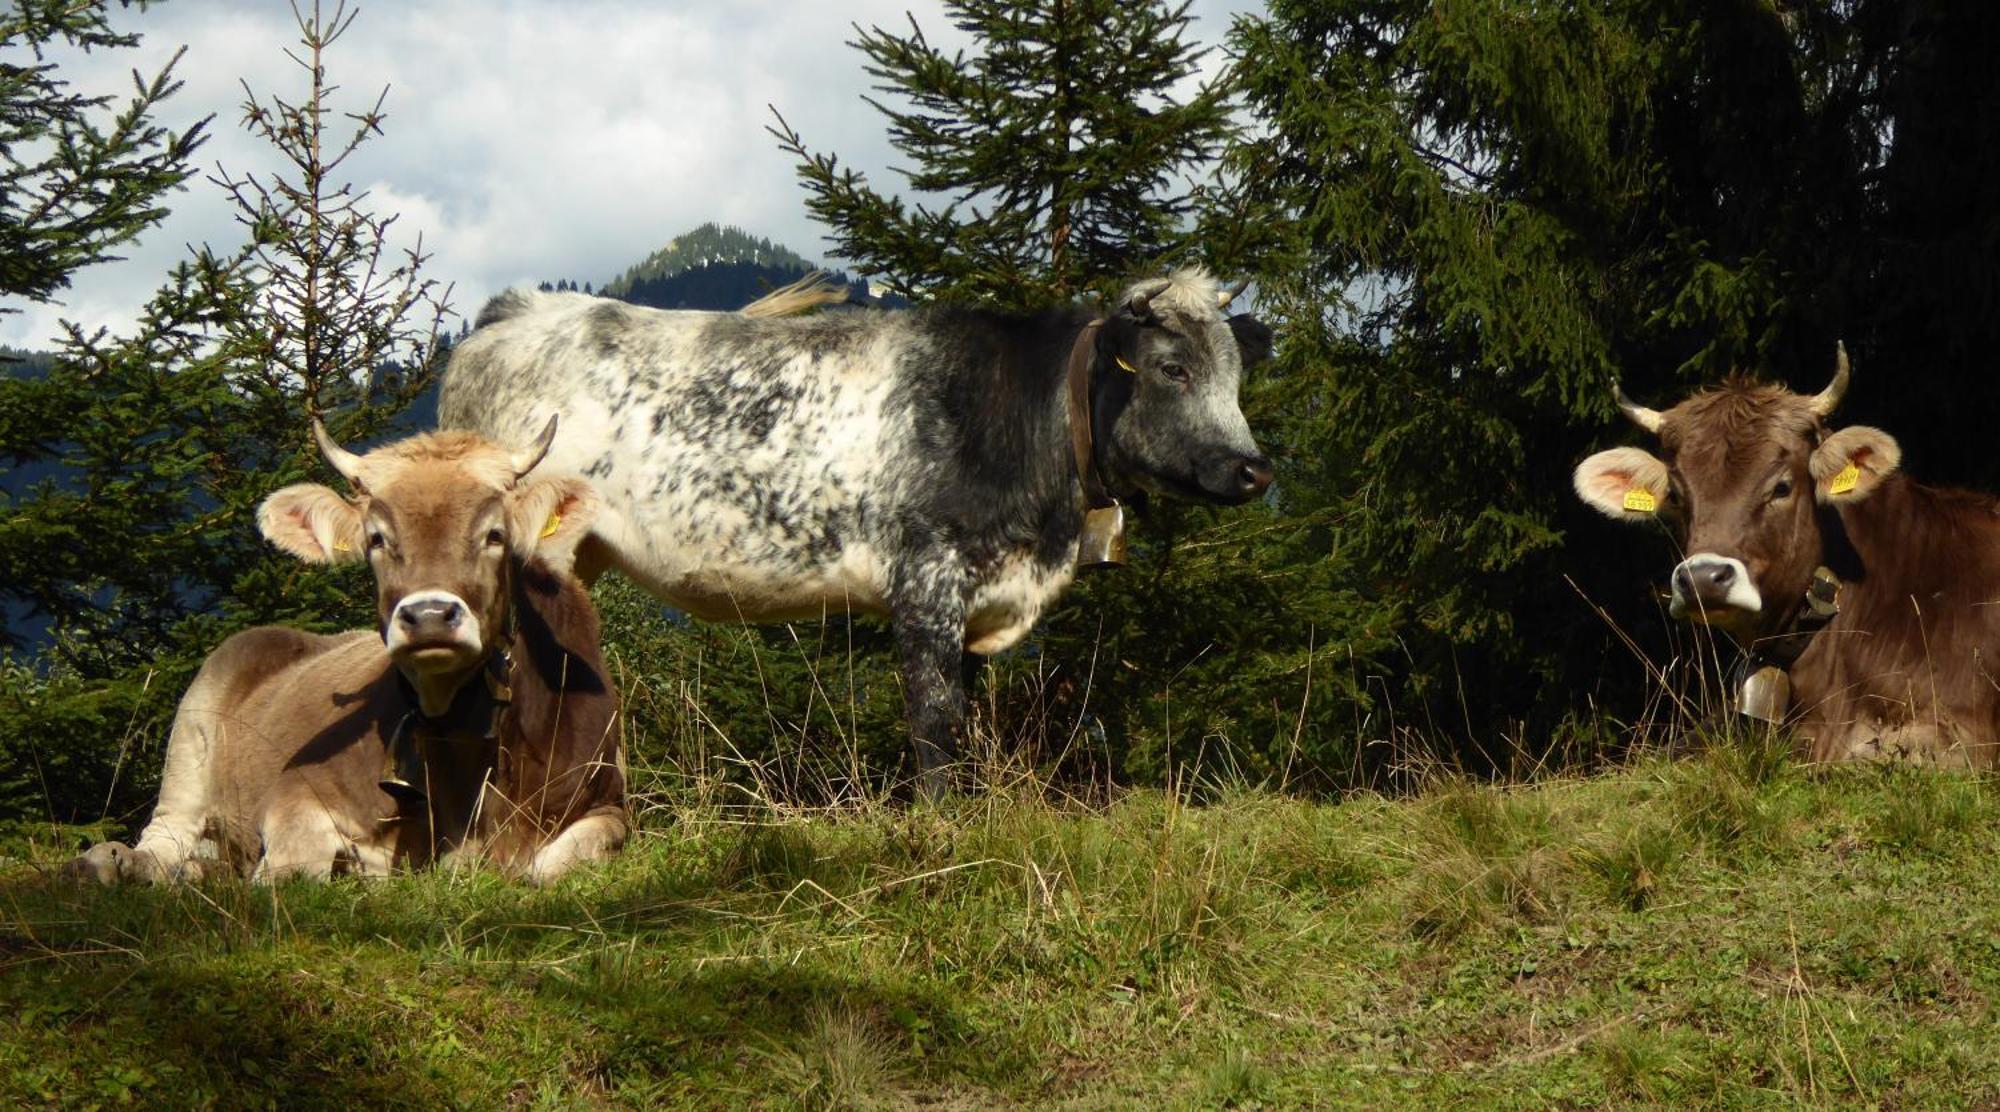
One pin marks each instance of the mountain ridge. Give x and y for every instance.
(707, 244)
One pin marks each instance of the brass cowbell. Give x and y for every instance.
(1102, 544)
(1765, 695)
(403, 766)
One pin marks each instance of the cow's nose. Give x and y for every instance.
(1253, 475)
(1708, 580)
(431, 612)
(1706, 585)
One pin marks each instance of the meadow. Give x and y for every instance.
(1720, 926)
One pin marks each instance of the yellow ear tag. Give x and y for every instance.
(339, 547)
(1641, 500)
(1123, 365)
(1845, 481)
(555, 523)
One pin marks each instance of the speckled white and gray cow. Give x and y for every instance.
(917, 463)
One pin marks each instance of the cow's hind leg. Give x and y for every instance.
(929, 608)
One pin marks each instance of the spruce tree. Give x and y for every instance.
(1471, 219)
(142, 550)
(80, 174)
(1051, 161)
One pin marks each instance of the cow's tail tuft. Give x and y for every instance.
(810, 292)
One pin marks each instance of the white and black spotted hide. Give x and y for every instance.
(915, 464)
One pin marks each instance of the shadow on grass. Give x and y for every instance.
(272, 1029)
(659, 978)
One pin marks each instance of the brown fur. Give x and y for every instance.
(1906, 670)
(1903, 671)
(1722, 447)
(558, 755)
(280, 745)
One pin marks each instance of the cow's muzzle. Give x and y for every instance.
(1711, 588)
(433, 629)
(1235, 478)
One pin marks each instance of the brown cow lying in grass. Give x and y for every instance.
(1870, 594)
(479, 722)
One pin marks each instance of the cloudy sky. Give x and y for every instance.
(526, 139)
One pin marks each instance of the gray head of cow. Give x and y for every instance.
(439, 517)
(1743, 473)
(1166, 404)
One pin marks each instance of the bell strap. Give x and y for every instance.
(1082, 357)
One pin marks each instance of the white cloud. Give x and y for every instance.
(526, 139)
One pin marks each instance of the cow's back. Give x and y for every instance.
(753, 468)
(1905, 670)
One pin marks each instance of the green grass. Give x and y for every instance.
(1722, 929)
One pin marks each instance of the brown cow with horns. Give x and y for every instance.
(1873, 595)
(478, 722)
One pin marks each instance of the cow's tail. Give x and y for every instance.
(810, 292)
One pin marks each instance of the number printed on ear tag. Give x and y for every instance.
(1845, 481)
(1641, 500)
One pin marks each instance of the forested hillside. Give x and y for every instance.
(711, 267)
(707, 245)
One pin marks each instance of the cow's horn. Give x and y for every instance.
(525, 461)
(343, 461)
(1648, 419)
(1230, 293)
(1827, 400)
(1139, 300)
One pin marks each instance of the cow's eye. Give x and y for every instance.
(1782, 491)
(1175, 372)
(495, 537)
(376, 542)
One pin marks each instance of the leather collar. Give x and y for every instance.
(1761, 684)
(1082, 429)
(476, 710)
(1820, 605)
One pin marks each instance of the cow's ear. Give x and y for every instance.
(1253, 338)
(548, 518)
(1628, 484)
(313, 523)
(1851, 463)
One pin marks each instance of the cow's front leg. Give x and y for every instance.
(303, 840)
(929, 608)
(595, 837)
(114, 862)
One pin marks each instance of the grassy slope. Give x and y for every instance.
(1719, 929)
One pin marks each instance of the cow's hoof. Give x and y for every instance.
(117, 863)
(104, 863)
